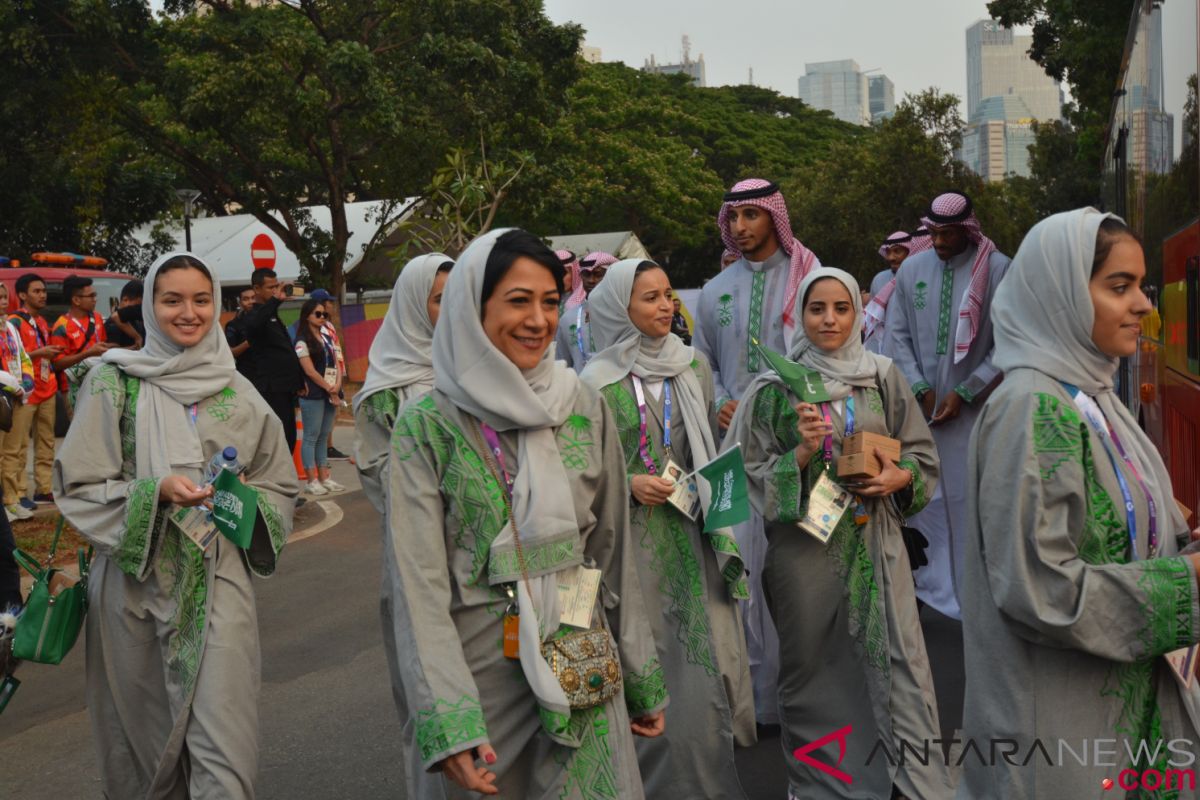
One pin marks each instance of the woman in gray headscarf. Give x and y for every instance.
(1076, 585)
(854, 673)
(172, 632)
(507, 427)
(691, 580)
(399, 366)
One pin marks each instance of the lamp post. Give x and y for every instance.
(188, 196)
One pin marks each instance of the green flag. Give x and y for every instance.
(235, 508)
(726, 476)
(804, 382)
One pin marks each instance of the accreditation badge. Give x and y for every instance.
(827, 504)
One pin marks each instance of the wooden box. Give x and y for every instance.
(858, 465)
(865, 442)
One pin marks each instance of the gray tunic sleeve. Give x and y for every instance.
(1051, 536)
(705, 341)
(93, 486)
(900, 327)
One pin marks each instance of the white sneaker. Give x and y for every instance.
(332, 486)
(17, 511)
(315, 488)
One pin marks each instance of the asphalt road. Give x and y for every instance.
(327, 720)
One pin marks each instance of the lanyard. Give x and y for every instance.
(33, 321)
(643, 439)
(82, 329)
(1108, 439)
(828, 455)
(493, 443)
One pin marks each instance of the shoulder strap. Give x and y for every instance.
(91, 328)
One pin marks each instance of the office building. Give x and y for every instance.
(998, 63)
(590, 54)
(882, 93)
(997, 139)
(686, 66)
(837, 86)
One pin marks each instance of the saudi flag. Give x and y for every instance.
(804, 382)
(726, 476)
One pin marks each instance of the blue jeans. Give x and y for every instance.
(318, 416)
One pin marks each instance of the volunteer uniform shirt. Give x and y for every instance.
(35, 334)
(74, 336)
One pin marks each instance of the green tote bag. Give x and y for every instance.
(53, 615)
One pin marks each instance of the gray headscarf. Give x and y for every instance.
(625, 350)
(401, 352)
(849, 366)
(173, 378)
(481, 381)
(1042, 317)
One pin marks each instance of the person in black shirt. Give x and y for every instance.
(679, 325)
(125, 327)
(235, 333)
(275, 369)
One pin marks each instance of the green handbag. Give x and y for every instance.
(54, 611)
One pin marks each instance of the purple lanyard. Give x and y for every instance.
(493, 442)
(829, 421)
(1101, 431)
(643, 437)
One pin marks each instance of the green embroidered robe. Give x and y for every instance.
(444, 510)
(1063, 632)
(172, 633)
(851, 647)
(695, 616)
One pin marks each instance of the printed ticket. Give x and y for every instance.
(196, 525)
(827, 503)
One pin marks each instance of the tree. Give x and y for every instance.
(270, 108)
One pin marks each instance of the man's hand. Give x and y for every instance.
(725, 415)
(49, 351)
(948, 410)
(97, 349)
(926, 401)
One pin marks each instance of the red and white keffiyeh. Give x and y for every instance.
(577, 296)
(766, 195)
(873, 314)
(596, 258)
(902, 238)
(954, 208)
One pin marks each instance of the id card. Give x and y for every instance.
(331, 375)
(827, 503)
(686, 496)
(196, 525)
(45, 370)
(1183, 664)
(577, 590)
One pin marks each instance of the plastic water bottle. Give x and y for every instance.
(226, 459)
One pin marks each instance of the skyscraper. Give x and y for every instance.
(837, 86)
(882, 97)
(1007, 92)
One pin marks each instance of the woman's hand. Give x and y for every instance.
(183, 491)
(649, 725)
(891, 479)
(813, 430)
(461, 769)
(651, 490)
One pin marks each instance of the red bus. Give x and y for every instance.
(1152, 179)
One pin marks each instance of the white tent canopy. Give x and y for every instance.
(224, 242)
(622, 244)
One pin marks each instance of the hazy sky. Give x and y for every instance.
(916, 44)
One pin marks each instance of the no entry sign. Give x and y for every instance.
(262, 252)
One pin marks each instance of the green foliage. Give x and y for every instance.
(654, 154)
(269, 108)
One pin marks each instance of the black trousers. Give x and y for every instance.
(10, 575)
(284, 406)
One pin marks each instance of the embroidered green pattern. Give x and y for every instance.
(591, 774)
(381, 408)
(774, 414)
(758, 285)
(875, 401)
(182, 564)
(943, 335)
(107, 380)
(222, 405)
(919, 296)
(133, 388)
(625, 413)
(575, 440)
(552, 721)
(725, 310)
(1105, 538)
(848, 553)
(503, 564)
(673, 560)
(447, 725)
(475, 509)
(920, 493)
(141, 515)
(1057, 434)
(1168, 606)
(646, 689)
